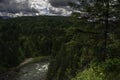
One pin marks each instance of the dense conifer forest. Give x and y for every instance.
(26, 37)
(83, 46)
(75, 48)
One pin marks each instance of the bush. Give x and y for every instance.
(89, 74)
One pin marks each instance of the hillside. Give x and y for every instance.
(76, 48)
(29, 36)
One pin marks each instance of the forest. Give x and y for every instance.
(26, 37)
(81, 47)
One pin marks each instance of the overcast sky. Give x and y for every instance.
(34, 7)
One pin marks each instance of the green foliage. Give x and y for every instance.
(26, 37)
(102, 48)
(81, 47)
(75, 53)
(108, 70)
(89, 74)
(73, 46)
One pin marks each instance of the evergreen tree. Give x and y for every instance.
(102, 12)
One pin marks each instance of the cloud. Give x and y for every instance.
(14, 6)
(61, 3)
(34, 7)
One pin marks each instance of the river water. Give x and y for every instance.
(33, 71)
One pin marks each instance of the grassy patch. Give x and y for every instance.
(40, 58)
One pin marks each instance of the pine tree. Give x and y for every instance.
(103, 12)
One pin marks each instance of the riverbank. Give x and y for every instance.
(17, 72)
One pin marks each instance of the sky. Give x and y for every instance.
(15, 8)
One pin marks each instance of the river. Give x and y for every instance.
(33, 71)
(30, 71)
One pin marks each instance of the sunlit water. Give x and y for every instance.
(34, 71)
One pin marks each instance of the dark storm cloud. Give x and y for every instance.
(1, 0)
(60, 3)
(13, 6)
